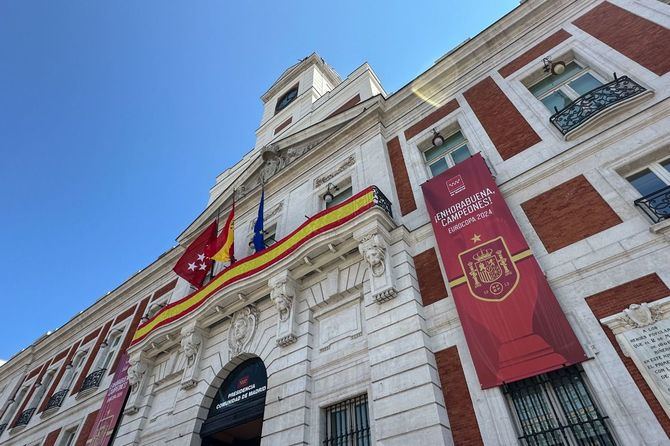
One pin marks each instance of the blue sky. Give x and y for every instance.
(115, 118)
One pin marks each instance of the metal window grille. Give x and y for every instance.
(557, 409)
(347, 423)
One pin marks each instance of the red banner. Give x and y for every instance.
(513, 324)
(112, 406)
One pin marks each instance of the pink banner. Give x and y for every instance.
(112, 406)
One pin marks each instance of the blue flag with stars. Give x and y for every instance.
(259, 235)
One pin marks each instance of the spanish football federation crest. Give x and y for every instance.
(490, 271)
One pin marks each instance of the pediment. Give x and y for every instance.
(265, 163)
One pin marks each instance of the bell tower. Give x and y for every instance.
(291, 97)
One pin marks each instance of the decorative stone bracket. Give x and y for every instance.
(242, 329)
(138, 378)
(283, 295)
(373, 244)
(192, 346)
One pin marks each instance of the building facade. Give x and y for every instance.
(344, 331)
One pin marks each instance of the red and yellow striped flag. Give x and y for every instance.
(223, 248)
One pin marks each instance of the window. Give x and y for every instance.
(347, 423)
(451, 152)
(10, 411)
(557, 91)
(269, 237)
(68, 437)
(337, 193)
(73, 369)
(286, 99)
(653, 184)
(113, 343)
(557, 409)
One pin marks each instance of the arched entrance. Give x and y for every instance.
(236, 414)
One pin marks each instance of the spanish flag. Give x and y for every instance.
(223, 248)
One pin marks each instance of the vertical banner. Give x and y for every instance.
(112, 406)
(513, 324)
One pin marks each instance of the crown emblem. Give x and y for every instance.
(483, 254)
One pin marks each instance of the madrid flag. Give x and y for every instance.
(194, 264)
(513, 324)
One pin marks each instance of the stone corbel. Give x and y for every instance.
(283, 295)
(192, 344)
(373, 244)
(138, 378)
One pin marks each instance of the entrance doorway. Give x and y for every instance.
(236, 414)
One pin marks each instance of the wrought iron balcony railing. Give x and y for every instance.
(93, 380)
(3, 426)
(381, 201)
(56, 399)
(656, 205)
(25, 417)
(594, 102)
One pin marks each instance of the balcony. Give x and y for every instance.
(322, 238)
(93, 380)
(56, 400)
(25, 417)
(595, 102)
(656, 205)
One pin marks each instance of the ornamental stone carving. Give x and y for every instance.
(373, 244)
(643, 333)
(242, 330)
(282, 293)
(373, 251)
(349, 162)
(138, 378)
(191, 344)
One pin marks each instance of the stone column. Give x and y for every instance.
(406, 403)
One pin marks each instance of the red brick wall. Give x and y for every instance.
(635, 37)
(615, 300)
(507, 128)
(431, 282)
(91, 359)
(346, 106)
(162, 291)
(431, 119)
(541, 49)
(86, 429)
(400, 177)
(464, 426)
(51, 438)
(568, 213)
(283, 125)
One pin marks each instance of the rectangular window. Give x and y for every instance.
(557, 91)
(68, 437)
(269, 237)
(347, 423)
(453, 150)
(340, 194)
(557, 408)
(653, 185)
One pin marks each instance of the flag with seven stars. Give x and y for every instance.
(194, 264)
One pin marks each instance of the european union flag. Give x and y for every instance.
(259, 235)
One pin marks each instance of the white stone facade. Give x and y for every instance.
(343, 315)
